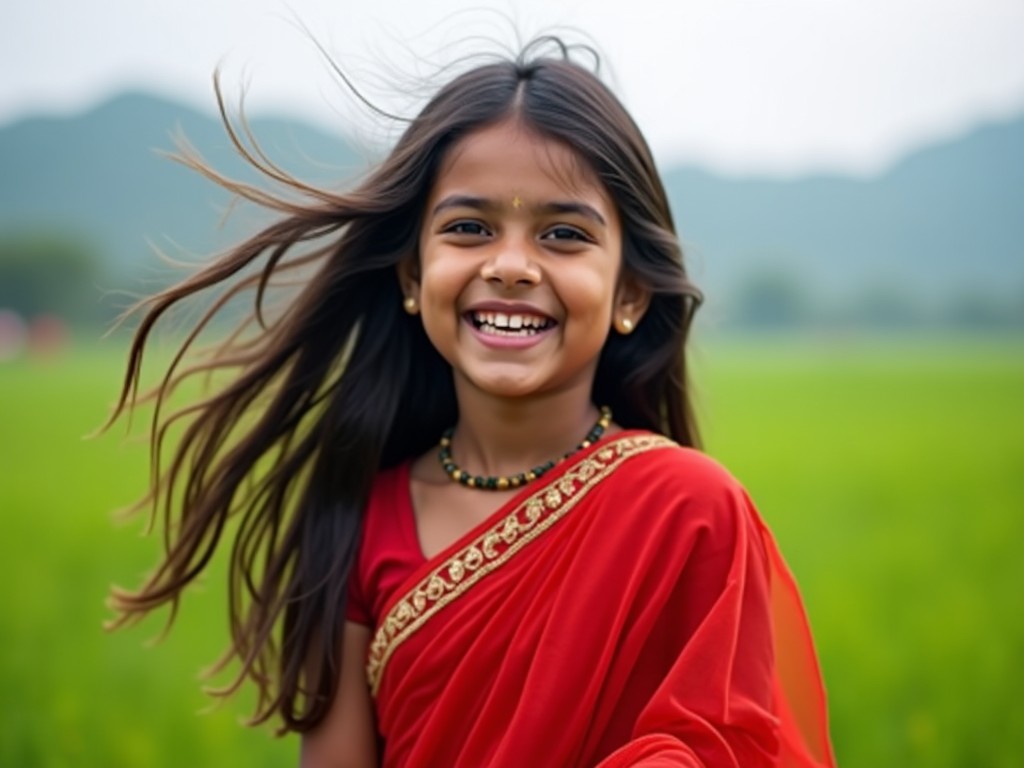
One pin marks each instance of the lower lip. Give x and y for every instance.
(498, 341)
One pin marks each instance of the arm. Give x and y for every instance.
(346, 738)
(713, 708)
(745, 688)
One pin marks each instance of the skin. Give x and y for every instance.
(346, 737)
(513, 220)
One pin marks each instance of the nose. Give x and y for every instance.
(511, 264)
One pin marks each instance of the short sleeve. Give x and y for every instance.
(389, 551)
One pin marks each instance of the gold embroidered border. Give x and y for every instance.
(490, 550)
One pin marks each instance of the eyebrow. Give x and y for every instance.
(556, 206)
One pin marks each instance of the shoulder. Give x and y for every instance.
(388, 549)
(388, 484)
(654, 461)
(387, 503)
(667, 484)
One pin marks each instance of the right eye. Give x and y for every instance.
(465, 227)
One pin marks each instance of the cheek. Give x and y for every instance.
(590, 294)
(441, 282)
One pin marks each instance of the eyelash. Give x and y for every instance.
(574, 234)
(456, 228)
(459, 228)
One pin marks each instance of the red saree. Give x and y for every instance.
(630, 609)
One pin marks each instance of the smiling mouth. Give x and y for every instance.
(516, 324)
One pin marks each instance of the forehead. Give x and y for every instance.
(509, 158)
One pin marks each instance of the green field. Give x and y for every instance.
(891, 472)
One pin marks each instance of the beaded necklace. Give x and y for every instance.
(504, 482)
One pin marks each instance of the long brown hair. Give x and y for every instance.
(339, 382)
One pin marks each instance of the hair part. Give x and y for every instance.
(340, 382)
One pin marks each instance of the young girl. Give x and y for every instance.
(473, 528)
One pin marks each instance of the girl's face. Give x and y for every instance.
(520, 256)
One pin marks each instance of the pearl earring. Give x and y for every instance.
(626, 325)
(411, 305)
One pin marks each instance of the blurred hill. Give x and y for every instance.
(943, 229)
(946, 222)
(103, 175)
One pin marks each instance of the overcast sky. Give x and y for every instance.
(763, 86)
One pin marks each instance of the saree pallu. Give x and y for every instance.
(630, 609)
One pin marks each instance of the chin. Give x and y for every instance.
(507, 389)
(508, 386)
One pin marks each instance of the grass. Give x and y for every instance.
(891, 473)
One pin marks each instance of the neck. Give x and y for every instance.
(504, 436)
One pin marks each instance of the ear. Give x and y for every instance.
(408, 270)
(632, 298)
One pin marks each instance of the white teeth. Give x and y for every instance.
(509, 325)
(490, 330)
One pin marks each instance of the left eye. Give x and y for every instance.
(566, 233)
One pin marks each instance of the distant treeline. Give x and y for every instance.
(780, 300)
(51, 273)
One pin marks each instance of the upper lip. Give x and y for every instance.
(508, 308)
